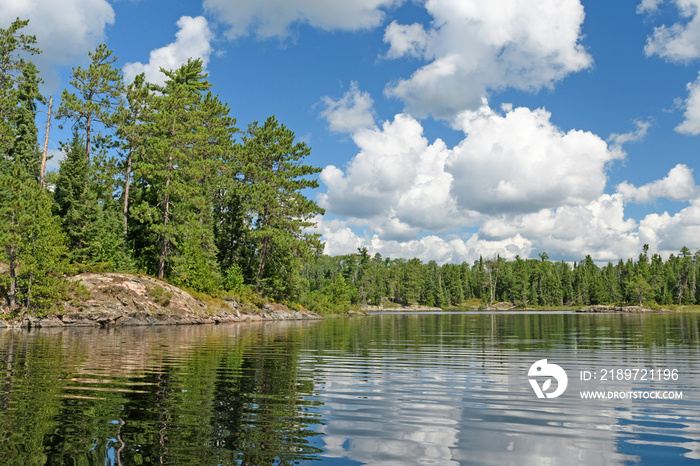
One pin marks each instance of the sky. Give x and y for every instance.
(445, 129)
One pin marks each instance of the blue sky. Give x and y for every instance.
(446, 129)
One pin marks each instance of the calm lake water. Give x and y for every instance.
(442, 389)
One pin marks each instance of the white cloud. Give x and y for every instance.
(667, 234)
(477, 47)
(678, 185)
(397, 182)
(679, 42)
(571, 232)
(520, 162)
(405, 40)
(530, 185)
(65, 29)
(455, 250)
(618, 140)
(273, 18)
(649, 6)
(351, 112)
(191, 41)
(55, 157)
(691, 122)
(339, 239)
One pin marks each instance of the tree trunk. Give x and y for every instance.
(12, 257)
(46, 144)
(87, 139)
(263, 258)
(166, 218)
(127, 182)
(265, 245)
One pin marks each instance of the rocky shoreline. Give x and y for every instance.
(619, 309)
(399, 308)
(115, 299)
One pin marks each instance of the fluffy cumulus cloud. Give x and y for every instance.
(65, 29)
(192, 40)
(351, 112)
(571, 232)
(678, 185)
(474, 47)
(273, 18)
(667, 233)
(397, 180)
(405, 40)
(523, 182)
(520, 162)
(691, 121)
(679, 42)
(339, 238)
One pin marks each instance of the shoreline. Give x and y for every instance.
(496, 307)
(121, 300)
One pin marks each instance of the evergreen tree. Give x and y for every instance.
(340, 292)
(130, 117)
(25, 149)
(639, 289)
(31, 242)
(98, 90)
(93, 231)
(189, 135)
(276, 211)
(17, 95)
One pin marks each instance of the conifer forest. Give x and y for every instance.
(160, 180)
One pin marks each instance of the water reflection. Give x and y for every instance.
(394, 389)
(191, 395)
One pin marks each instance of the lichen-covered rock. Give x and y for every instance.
(116, 299)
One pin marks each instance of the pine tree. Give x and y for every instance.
(189, 134)
(276, 211)
(130, 117)
(99, 88)
(92, 228)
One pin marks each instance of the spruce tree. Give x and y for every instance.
(92, 228)
(31, 241)
(14, 71)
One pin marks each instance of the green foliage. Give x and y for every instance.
(19, 92)
(274, 209)
(233, 278)
(160, 296)
(31, 242)
(93, 230)
(339, 291)
(97, 91)
(524, 282)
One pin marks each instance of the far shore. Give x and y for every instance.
(598, 308)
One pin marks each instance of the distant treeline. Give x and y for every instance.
(363, 279)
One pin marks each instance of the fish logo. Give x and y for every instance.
(541, 369)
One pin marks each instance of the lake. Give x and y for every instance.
(385, 389)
